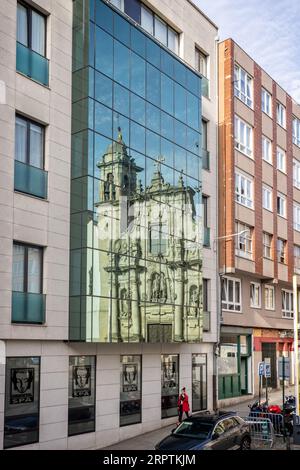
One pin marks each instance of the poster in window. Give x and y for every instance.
(169, 374)
(130, 377)
(81, 381)
(21, 386)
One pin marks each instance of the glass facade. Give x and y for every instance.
(136, 212)
(82, 388)
(22, 396)
(130, 390)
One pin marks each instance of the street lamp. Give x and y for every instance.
(219, 316)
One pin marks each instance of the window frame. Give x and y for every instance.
(238, 144)
(264, 93)
(168, 27)
(280, 151)
(287, 313)
(270, 288)
(240, 195)
(255, 285)
(296, 131)
(296, 166)
(234, 303)
(296, 220)
(29, 121)
(198, 54)
(283, 198)
(267, 190)
(245, 239)
(279, 253)
(26, 247)
(265, 246)
(269, 159)
(30, 9)
(296, 263)
(248, 80)
(281, 113)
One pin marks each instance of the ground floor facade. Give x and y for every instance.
(241, 350)
(60, 395)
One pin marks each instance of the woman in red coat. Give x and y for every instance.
(183, 405)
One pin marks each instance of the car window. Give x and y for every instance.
(195, 429)
(219, 429)
(229, 423)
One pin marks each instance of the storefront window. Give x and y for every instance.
(199, 385)
(131, 390)
(228, 360)
(169, 385)
(81, 394)
(22, 394)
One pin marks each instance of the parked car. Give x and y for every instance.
(209, 431)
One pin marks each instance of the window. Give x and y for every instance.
(296, 131)
(231, 294)
(244, 240)
(281, 245)
(266, 102)
(243, 136)
(243, 190)
(243, 85)
(266, 149)
(201, 62)
(281, 119)
(159, 29)
(199, 382)
(158, 239)
(267, 245)
(169, 385)
(82, 393)
(296, 166)
(287, 304)
(31, 29)
(267, 198)
(27, 268)
(281, 205)
(22, 396)
(204, 134)
(29, 142)
(297, 258)
(205, 210)
(281, 160)
(297, 217)
(206, 295)
(255, 295)
(131, 390)
(269, 297)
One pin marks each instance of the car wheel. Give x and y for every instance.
(245, 444)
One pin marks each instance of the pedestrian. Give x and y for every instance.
(183, 405)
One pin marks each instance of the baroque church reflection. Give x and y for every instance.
(149, 258)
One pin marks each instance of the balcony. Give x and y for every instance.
(206, 237)
(205, 159)
(28, 307)
(205, 87)
(30, 180)
(32, 64)
(206, 321)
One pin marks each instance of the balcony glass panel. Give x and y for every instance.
(28, 307)
(205, 87)
(32, 64)
(206, 237)
(205, 159)
(30, 180)
(206, 321)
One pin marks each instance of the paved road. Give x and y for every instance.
(147, 441)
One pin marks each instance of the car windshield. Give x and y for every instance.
(195, 429)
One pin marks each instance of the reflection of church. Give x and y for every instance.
(149, 262)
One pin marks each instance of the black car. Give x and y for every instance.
(209, 431)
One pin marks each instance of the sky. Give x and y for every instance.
(268, 30)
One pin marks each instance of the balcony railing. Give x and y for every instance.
(206, 321)
(30, 180)
(32, 64)
(205, 87)
(206, 237)
(205, 159)
(28, 307)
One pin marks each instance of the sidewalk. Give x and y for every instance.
(147, 441)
